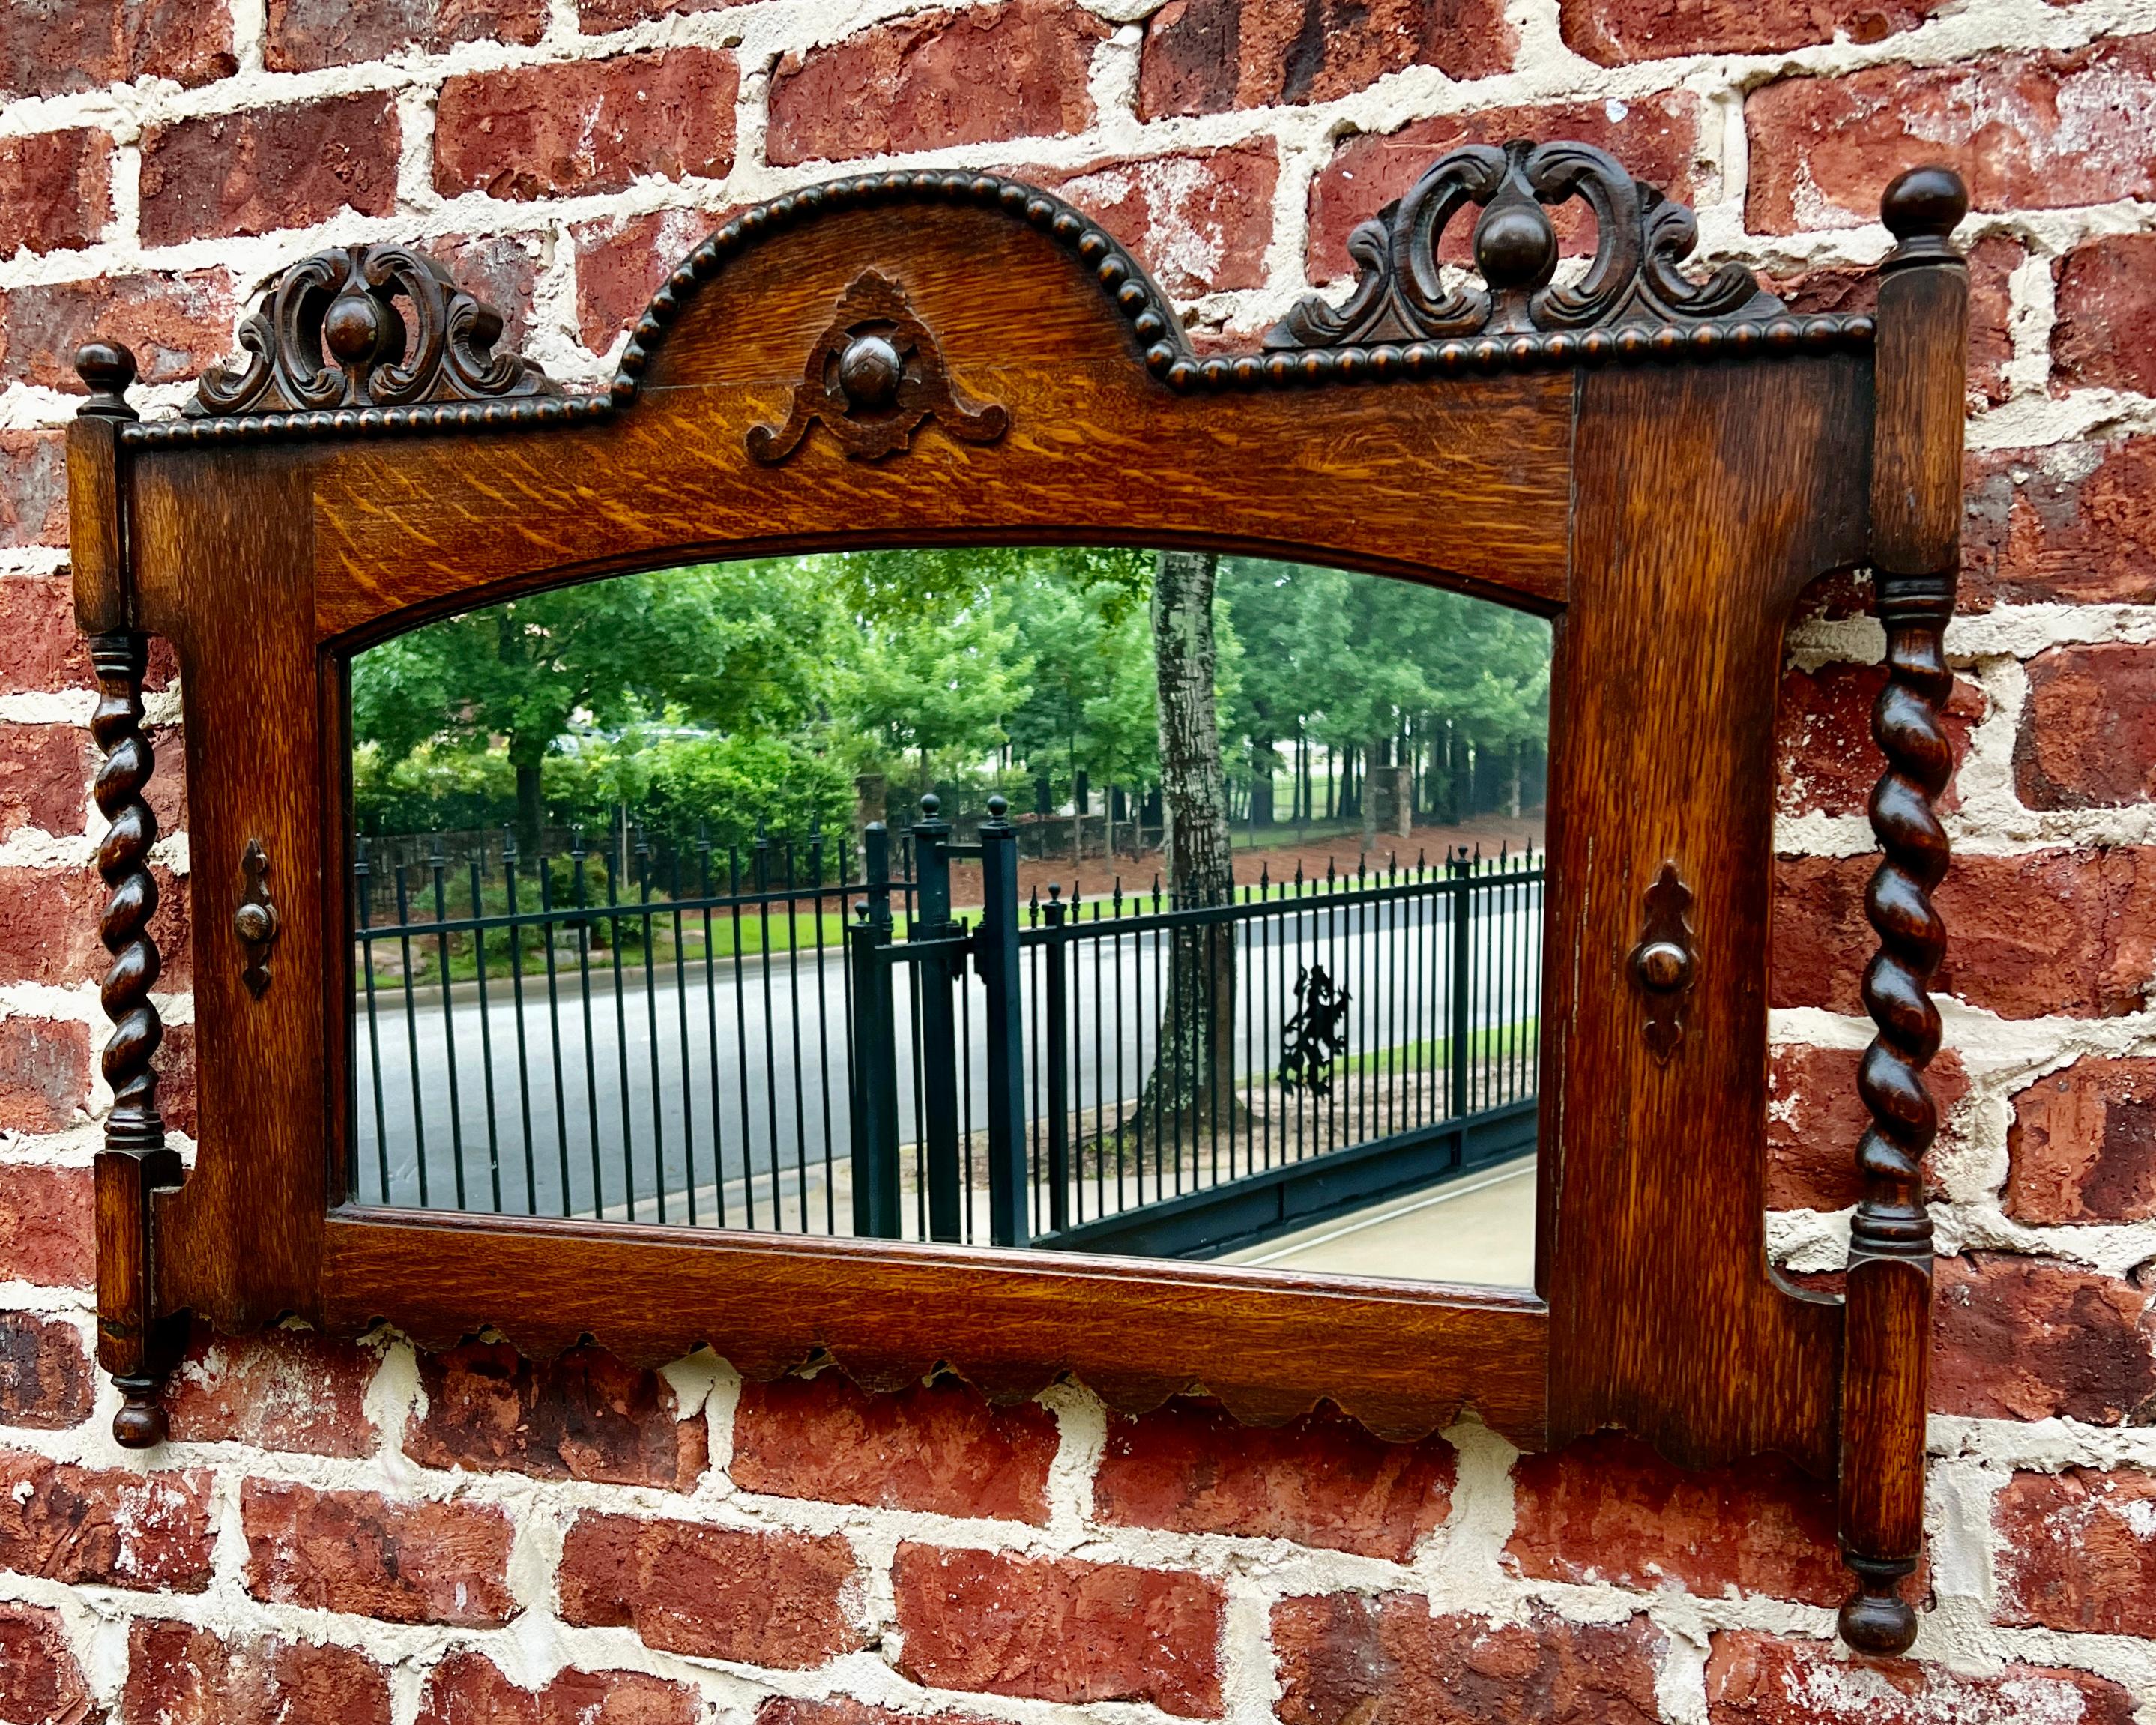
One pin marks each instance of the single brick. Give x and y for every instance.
(40, 1678)
(597, 17)
(45, 777)
(55, 190)
(1756, 1679)
(2077, 1551)
(1200, 222)
(32, 488)
(717, 1593)
(48, 1225)
(1608, 1509)
(2082, 1145)
(167, 793)
(266, 168)
(620, 262)
(592, 125)
(2104, 336)
(280, 1390)
(104, 1527)
(1826, 762)
(170, 928)
(939, 1447)
(176, 1079)
(2088, 734)
(1815, 1118)
(44, 1073)
(48, 926)
(1207, 56)
(498, 269)
(41, 649)
(1319, 1480)
(178, 1674)
(583, 1416)
(469, 1689)
(1655, 138)
(1058, 1630)
(46, 1380)
(935, 80)
(1992, 262)
(2042, 129)
(2021, 1338)
(843, 1710)
(305, 35)
(1347, 1660)
(2048, 931)
(2068, 525)
(60, 47)
(360, 1552)
(1617, 32)
(174, 323)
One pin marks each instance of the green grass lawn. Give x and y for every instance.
(1495, 1043)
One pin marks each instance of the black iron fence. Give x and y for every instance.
(750, 1039)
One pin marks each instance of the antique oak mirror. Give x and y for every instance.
(1647, 466)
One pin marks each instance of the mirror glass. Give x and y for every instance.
(1163, 904)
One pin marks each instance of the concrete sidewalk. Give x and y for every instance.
(1480, 1229)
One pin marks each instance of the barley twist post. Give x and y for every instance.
(134, 1340)
(1916, 525)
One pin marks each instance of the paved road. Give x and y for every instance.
(614, 1098)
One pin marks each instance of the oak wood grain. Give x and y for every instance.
(1404, 1357)
(1707, 498)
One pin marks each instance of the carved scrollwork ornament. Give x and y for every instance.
(256, 922)
(1401, 295)
(361, 326)
(1665, 962)
(876, 377)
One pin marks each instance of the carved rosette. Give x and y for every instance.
(1400, 293)
(366, 326)
(876, 376)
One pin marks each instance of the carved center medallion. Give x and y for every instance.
(874, 377)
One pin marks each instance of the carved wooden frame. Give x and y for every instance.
(1660, 466)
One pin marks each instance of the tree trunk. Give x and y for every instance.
(530, 808)
(1374, 760)
(1192, 1090)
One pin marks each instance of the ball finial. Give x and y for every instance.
(1924, 204)
(998, 806)
(1515, 246)
(140, 1422)
(108, 368)
(930, 804)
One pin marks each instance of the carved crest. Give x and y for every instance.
(874, 378)
(1642, 237)
(366, 326)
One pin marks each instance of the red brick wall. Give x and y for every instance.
(352, 1531)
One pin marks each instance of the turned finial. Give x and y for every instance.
(1922, 208)
(108, 369)
(141, 1423)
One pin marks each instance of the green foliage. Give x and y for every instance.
(722, 785)
(1350, 657)
(718, 693)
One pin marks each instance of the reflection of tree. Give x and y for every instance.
(714, 647)
(771, 679)
(1194, 1066)
(1355, 663)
